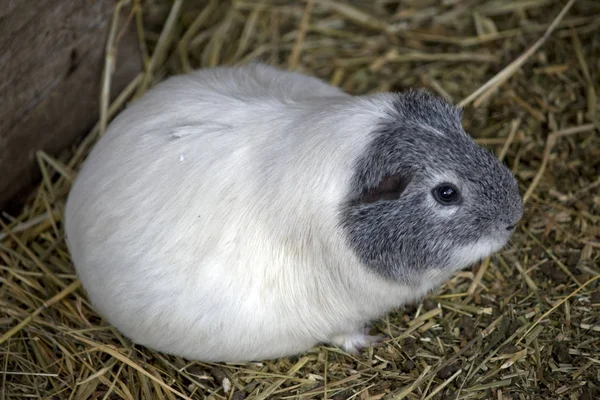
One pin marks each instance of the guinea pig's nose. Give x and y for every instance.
(510, 227)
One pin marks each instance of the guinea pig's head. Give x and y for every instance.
(425, 199)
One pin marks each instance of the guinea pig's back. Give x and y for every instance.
(168, 210)
(152, 191)
(194, 143)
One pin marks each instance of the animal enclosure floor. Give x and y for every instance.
(524, 324)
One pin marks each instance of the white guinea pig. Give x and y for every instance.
(247, 213)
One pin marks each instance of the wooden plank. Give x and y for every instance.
(51, 61)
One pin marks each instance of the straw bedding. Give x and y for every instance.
(524, 324)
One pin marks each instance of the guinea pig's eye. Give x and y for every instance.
(446, 194)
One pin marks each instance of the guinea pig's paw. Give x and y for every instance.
(353, 343)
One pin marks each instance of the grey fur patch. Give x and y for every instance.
(422, 138)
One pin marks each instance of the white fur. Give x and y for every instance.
(470, 254)
(192, 229)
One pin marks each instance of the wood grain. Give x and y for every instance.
(51, 60)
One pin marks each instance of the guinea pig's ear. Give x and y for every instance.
(390, 187)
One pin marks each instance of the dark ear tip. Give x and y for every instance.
(389, 188)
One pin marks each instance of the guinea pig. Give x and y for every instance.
(250, 213)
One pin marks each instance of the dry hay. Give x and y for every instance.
(523, 325)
